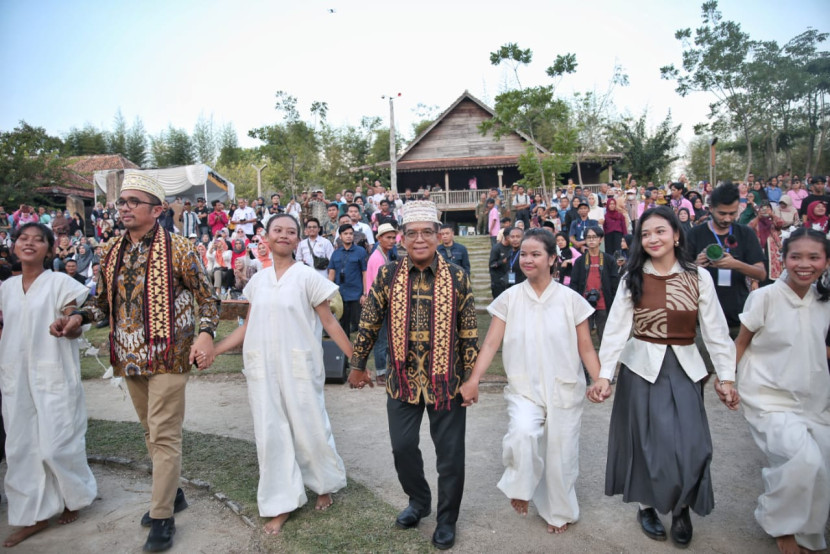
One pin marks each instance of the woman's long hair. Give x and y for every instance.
(637, 256)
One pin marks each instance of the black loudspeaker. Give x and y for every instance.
(335, 362)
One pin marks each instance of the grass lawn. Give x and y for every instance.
(232, 363)
(357, 522)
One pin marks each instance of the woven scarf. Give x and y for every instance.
(441, 330)
(158, 310)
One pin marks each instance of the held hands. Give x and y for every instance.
(727, 394)
(65, 326)
(599, 391)
(202, 352)
(359, 379)
(469, 392)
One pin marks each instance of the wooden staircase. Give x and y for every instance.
(479, 249)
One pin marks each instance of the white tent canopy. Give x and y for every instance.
(187, 181)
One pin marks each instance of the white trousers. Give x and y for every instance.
(295, 446)
(45, 421)
(541, 458)
(796, 499)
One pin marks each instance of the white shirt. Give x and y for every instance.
(539, 329)
(645, 358)
(321, 247)
(241, 214)
(784, 368)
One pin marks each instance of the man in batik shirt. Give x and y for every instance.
(433, 345)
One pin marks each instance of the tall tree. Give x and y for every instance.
(648, 155)
(229, 151)
(180, 146)
(84, 142)
(536, 112)
(117, 139)
(28, 159)
(204, 140)
(135, 148)
(717, 62)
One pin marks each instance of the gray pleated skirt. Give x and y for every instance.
(659, 445)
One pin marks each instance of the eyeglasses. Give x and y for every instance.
(591, 238)
(425, 234)
(133, 203)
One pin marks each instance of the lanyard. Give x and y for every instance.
(717, 238)
(513, 259)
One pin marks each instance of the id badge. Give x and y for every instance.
(724, 277)
(511, 278)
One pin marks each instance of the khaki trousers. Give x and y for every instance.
(159, 403)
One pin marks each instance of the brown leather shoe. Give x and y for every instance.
(381, 380)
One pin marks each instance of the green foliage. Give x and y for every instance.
(136, 143)
(172, 147)
(117, 139)
(730, 161)
(84, 142)
(28, 160)
(647, 155)
(204, 140)
(537, 113)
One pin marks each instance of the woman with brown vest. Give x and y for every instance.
(659, 446)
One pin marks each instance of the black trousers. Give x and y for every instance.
(447, 428)
(350, 320)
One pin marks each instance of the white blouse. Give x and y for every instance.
(645, 358)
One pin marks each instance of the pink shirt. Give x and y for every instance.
(797, 196)
(376, 261)
(493, 222)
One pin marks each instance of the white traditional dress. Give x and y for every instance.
(785, 391)
(43, 402)
(283, 357)
(544, 394)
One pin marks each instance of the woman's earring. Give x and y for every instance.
(676, 243)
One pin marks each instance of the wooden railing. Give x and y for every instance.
(467, 199)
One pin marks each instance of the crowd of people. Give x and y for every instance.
(667, 277)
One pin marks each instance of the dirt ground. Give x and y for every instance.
(218, 404)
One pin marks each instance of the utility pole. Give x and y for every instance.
(259, 179)
(393, 153)
(712, 144)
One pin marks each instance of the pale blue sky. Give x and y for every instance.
(66, 63)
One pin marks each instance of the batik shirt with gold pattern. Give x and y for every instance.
(190, 283)
(416, 368)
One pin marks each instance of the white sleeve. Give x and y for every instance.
(319, 289)
(617, 330)
(250, 288)
(68, 290)
(754, 314)
(500, 306)
(714, 328)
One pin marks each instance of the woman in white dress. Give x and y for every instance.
(43, 399)
(540, 319)
(785, 389)
(283, 357)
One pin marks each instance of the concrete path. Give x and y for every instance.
(218, 404)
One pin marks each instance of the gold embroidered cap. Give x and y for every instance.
(385, 228)
(420, 211)
(144, 183)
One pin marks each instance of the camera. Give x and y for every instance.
(593, 297)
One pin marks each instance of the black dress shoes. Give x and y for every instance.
(681, 529)
(178, 505)
(411, 517)
(161, 535)
(444, 536)
(651, 524)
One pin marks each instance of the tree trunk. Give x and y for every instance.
(822, 136)
(579, 170)
(748, 152)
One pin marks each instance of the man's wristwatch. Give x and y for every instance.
(209, 331)
(84, 316)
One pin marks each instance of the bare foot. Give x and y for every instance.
(323, 502)
(68, 516)
(787, 545)
(519, 505)
(24, 533)
(274, 526)
(557, 530)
